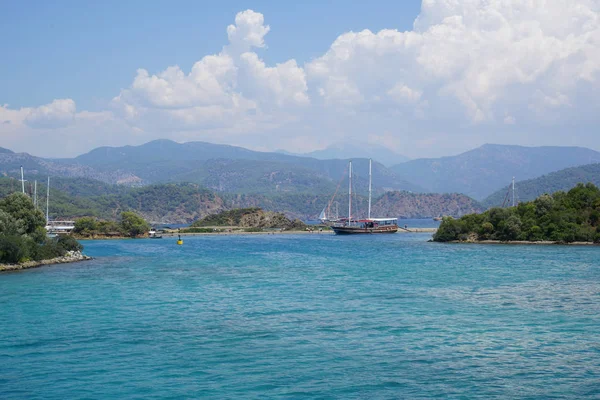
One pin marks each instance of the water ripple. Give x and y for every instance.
(304, 317)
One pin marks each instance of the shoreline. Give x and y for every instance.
(314, 232)
(172, 234)
(70, 257)
(523, 243)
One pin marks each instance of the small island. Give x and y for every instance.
(246, 220)
(563, 217)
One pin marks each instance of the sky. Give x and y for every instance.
(423, 78)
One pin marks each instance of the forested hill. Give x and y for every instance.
(561, 217)
(480, 172)
(230, 169)
(187, 202)
(563, 180)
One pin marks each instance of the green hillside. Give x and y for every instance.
(186, 202)
(564, 180)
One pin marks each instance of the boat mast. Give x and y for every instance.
(35, 194)
(22, 180)
(513, 191)
(47, 201)
(370, 176)
(350, 193)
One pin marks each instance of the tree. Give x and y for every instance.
(449, 230)
(9, 225)
(85, 225)
(21, 209)
(132, 224)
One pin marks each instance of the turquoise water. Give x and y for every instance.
(304, 316)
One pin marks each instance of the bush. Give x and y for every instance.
(69, 243)
(13, 249)
(50, 249)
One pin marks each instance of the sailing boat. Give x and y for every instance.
(369, 225)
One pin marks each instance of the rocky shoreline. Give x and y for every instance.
(70, 257)
(525, 242)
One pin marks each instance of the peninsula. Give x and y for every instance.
(563, 217)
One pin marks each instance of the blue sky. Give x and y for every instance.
(88, 51)
(423, 78)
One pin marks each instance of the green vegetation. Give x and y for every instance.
(23, 236)
(562, 217)
(133, 225)
(129, 225)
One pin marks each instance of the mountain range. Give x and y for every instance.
(344, 151)
(218, 167)
(480, 172)
(298, 184)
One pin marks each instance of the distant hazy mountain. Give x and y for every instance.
(563, 180)
(480, 172)
(3, 150)
(10, 164)
(381, 154)
(218, 167)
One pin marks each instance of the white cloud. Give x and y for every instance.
(222, 91)
(483, 53)
(249, 31)
(467, 71)
(57, 114)
(402, 94)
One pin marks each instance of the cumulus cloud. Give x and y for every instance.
(249, 31)
(485, 54)
(222, 90)
(469, 72)
(57, 114)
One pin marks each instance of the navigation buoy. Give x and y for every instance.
(179, 241)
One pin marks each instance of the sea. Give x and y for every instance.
(304, 316)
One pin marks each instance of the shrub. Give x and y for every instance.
(69, 243)
(13, 249)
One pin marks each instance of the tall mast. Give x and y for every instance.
(350, 192)
(35, 194)
(47, 201)
(370, 176)
(22, 180)
(513, 191)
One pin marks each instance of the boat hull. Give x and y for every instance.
(353, 230)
